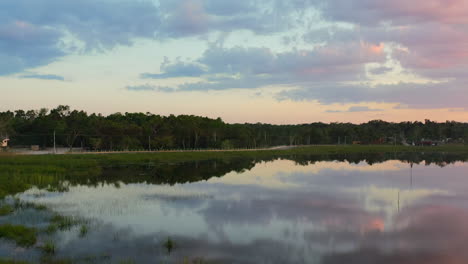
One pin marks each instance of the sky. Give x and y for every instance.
(269, 61)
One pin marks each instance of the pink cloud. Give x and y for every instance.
(373, 49)
(435, 32)
(432, 48)
(189, 17)
(399, 12)
(445, 11)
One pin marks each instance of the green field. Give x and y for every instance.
(109, 158)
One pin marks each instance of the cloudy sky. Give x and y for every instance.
(294, 61)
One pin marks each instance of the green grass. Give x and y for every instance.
(6, 210)
(48, 248)
(129, 261)
(83, 230)
(23, 236)
(24, 205)
(62, 163)
(63, 223)
(10, 261)
(169, 245)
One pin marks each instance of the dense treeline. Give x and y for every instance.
(119, 131)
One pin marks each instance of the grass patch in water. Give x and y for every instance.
(6, 210)
(10, 261)
(64, 223)
(83, 230)
(49, 260)
(25, 205)
(129, 261)
(169, 245)
(48, 248)
(23, 236)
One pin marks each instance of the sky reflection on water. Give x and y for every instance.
(278, 212)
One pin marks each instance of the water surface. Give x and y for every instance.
(276, 211)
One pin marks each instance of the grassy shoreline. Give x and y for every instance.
(174, 156)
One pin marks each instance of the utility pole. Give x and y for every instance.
(55, 148)
(345, 139)
(149, 143)
(339, 140)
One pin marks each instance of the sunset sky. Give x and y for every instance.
(272, 61)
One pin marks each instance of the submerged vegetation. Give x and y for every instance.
(169, 245)
(48, 248)
(9, 261)
(23, 236)
(63, 223)
(6, 210)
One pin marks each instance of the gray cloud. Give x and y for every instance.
(23, 45)
(151, 88)
(449, 95)
(380, 70)
(43, 77)
(363, 109)
(31, 32)
(194, 17)
(103, 24)
(100, 24)
(178, 69)
(355, 109)
(241, 67)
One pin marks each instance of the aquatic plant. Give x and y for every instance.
(47, 259)
(25, 205)
(169, 245)
(10, 261)
(23, 236)
(83, 230)
(51, 229)
(6, 210)
(48, 248)
(194, 261)
(63, 222)
(128, 261)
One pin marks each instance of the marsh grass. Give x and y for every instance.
(18, 204)
(128, 261)
(48, 248)
(10, 261)
(195, 261)
(23, 236)
(169, 245)
(6, 210)
(63, 223)
(48, 259)
(83, 230)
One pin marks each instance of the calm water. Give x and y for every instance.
(267, 212)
